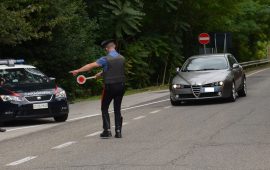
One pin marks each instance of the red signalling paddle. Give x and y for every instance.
(81, 79)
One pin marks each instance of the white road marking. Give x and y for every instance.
(147, 104)
(156, 111)
(94, 134)
(21, 161)
(257, 72)
(139, 117)
(64, 145)
(83, 117)
(125, 123)
(27, 127)
(167, 107)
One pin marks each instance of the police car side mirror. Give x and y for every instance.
(52, 78)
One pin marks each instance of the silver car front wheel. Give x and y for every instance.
(232, 98)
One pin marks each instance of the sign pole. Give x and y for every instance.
(215, 43)
(225, 42)
(204, 46)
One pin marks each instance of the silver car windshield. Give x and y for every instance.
(16, 76)
(205, 63)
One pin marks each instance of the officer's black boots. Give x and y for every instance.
(118, 130)
(106, 134)
(2, 130)
(118, 133)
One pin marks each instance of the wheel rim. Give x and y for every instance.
(233, 91)
(245, 86)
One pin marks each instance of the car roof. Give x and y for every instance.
(5, 67)
(211, 55)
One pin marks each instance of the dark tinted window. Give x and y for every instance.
(22, 76)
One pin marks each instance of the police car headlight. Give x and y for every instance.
(9, 98)
(219, 83)
(60, 93)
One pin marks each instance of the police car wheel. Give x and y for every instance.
(61, 118)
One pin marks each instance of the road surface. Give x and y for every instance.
(205, 135)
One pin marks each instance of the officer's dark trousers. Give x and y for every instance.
(113, 92)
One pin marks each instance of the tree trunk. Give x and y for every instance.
(164, 73)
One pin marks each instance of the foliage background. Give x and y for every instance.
(155, 36)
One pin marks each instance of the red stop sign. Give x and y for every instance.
(204, 38)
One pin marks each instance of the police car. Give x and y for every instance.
(27, 93)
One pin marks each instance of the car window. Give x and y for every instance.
(22, 76)
(205, 63)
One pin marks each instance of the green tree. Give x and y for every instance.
(122, 17)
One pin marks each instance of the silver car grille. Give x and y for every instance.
(196, 90)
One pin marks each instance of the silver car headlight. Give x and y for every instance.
(177, 86)
(60, 93)
(10, 98)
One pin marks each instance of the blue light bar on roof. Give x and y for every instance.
(20, 61)
(11, 62)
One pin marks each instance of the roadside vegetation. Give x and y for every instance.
(155, 36)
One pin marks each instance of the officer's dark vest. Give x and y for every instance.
(115, 72)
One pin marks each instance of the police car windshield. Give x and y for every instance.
(205, 63)
(18, 76)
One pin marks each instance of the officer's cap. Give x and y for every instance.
(106, 42)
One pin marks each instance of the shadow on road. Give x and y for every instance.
(205, 102)
(30, 122)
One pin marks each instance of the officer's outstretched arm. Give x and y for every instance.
(87, 67)
(98, 75)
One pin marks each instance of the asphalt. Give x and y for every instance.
(197, 135)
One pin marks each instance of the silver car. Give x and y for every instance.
(208, 77)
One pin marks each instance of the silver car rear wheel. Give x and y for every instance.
(243, 91)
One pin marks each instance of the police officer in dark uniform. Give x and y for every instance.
(114, 86)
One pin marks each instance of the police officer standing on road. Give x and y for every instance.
(114, 86)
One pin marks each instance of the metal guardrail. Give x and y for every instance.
(254, 63)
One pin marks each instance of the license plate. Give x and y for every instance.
(209, 89)
(40, 106)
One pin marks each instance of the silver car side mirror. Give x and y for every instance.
(177, 70)
(235, 65)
